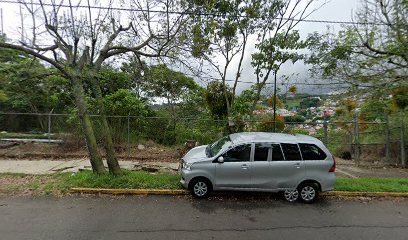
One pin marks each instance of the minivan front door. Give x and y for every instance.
(235, 171)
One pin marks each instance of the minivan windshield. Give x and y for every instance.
(213, 149)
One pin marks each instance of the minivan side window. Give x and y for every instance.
(311, 152)
(277, 154)
(261, 152)
(240, 153)
(291, 151)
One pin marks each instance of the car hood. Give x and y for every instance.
(196, 154)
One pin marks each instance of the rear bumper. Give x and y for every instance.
(328, 183)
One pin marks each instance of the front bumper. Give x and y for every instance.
(184, 177)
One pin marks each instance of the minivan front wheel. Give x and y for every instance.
(291, 195)
(308, 192)
(200, 188)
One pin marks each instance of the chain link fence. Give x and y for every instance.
(382, 142)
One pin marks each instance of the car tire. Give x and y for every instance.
(200, 188)
(308, 192)
(291, 195)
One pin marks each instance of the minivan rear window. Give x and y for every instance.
(311, 152)
(291, 151)
(261, 152)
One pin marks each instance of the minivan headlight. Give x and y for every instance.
(187, 165)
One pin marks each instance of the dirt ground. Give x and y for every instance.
(148, 151)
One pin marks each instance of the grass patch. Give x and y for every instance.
(24, 135)
(61, 183)
(129, 180)
(293, 103)
(372, 184)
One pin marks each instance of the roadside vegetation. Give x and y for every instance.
(61, 183)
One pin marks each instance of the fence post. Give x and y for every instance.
(356, 140)
(387, 139)
(128, 134)
(49, 126)
(325, 127)
(403, 154)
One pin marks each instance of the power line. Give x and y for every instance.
(192, 13)
(268, 83)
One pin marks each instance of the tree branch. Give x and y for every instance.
(36, 54)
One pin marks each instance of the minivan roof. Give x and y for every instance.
(244, 137)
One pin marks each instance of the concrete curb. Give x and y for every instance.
(185, 192)
(131, 191)
(364, 194)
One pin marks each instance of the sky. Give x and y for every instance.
(334, 10)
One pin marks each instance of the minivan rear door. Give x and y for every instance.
(286, 169)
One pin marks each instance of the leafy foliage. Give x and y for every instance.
(279, 103)
(309, 102)
(267, 124)
(370, 58)
(215, 99)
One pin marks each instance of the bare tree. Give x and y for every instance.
(78, 39)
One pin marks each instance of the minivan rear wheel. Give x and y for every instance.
(308, 192)
(200, 188)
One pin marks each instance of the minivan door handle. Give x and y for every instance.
(297, 165)
(244, 166)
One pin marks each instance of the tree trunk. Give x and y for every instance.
(111, 159)
(95, 157)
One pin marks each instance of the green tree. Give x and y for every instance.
(79, 43)
(370, 57)
(28, 86)
(243, 102)
(224, 30)
(172, 86)
(272, 54)
(309, 102)
(214, 99)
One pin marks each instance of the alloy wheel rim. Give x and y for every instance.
(291, 195)
(308, 193)
(200, 189)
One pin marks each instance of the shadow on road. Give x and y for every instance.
(238, 201)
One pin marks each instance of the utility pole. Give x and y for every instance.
(1, 19)
(22, 25)
(274, 105)
(325, 127)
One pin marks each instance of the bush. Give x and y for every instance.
(267, 124)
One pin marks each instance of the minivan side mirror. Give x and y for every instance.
(220, 159)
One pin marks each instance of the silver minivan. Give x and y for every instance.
(300, 166)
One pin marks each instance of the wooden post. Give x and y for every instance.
(387, 139)
(128, 134)
(356, 141)
(49, 126)
(403, 153)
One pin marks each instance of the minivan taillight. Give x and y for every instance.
(333, 167)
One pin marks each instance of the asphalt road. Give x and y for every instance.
(170, 217)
